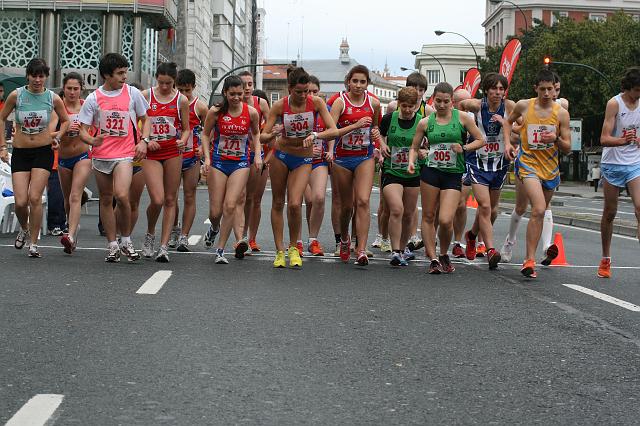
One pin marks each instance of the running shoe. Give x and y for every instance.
(163, 255)
(147, 246)
(396, 259)
(128, 250)
(33, 251)
(369, 253)
(415, 243)
(403, 261)
(113, 256)
(408, 254)
(336, 252)
(363, 259)
(507, 250)
(493, 257)
(294, 256)
(470, 250)
(447, 266)
(419, 244)
(551, 253)
(254, 246)
(481, 249)
(240, 248)
(457, 251)
(345, 251)
(528, 268)
(68, 243)
(435, 267)
(21, 238)
(210, 236)
(300, 248)
(604, 270)
(220, 259)
(315, 248)
(354, 243)
(377, 242)
(175, 235)
(183, 244)
(280, 261)
(385, 247)
(56, 232)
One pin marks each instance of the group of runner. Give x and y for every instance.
(437, 154)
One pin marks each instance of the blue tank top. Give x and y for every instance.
(489, 158)
(33, 110)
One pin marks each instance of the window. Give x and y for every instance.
(598, 17)
(433, 76)
(214, 73)
(555, 16)
(275, 97)
(463, 75)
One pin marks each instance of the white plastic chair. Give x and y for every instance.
(6, 208)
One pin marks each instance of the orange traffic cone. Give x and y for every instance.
(561, 260)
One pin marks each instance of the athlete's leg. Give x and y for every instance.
(171, 183)
(409, 215)
(539, 199)
(460, 219)
(383, 218)
(66, 178)
(518, 211)
(343, 178)
(547, 229)
(449, 199)
(318, 189)
(255, 213)
(37, 184)
(482, 225)
(336, 209)
(135, 193)
(634, 192)
(122, 176)
(308, 203)
(429, 196)
(611, 194)
(278, 174)
(235, 187)
(362, 184)
(153, 177)
(80, 175)
(296, 183)
(105, 183)
(217, 183)
(393, 196)
(20, 182)
(190, 178)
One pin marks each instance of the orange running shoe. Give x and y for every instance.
(254, 246)
(300, 248)
(470, 250)
(315, 248)
(481, 249)
(604, 270)
(528, 269)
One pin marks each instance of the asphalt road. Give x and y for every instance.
(328, 344)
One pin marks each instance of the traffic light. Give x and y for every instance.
(547, 61)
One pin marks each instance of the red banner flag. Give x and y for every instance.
(471, 81)
(510, 56)
(430, 101)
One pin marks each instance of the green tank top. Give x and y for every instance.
(441, 138)
(33, 110)
(399, 141)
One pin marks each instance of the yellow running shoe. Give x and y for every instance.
(294, 257)
(280, 261)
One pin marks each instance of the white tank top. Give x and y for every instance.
(626, 121)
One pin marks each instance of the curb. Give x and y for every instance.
(627, 231)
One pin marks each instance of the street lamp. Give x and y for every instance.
(526, 22)
(548, 61)
(439, 33)
(444, 74)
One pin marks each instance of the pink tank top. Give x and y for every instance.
(116, 125)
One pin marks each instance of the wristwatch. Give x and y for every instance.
(145, 140)
(315, 135)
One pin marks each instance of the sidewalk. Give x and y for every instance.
(580, 189)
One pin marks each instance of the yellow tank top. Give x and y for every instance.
(535, 155)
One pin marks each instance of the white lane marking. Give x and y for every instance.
(194, 240)
(37, 411)
(605, 297)
(154, 283)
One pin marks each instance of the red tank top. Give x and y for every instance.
(232, 136)
(194, 138)
(319, 143)
(298, 124)
(356, 143)
(165, 124)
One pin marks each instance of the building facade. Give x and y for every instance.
(504, 20)
(73, 35)
(455, 61)
(211, 37)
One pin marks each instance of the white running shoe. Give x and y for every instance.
(506, 252)
(385, 247)
(147, 247)
(175, 235)
(220, 258)
(163, 255)
(183, 243)
(377, 242)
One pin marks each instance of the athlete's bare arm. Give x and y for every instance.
(416, 143)
(331, 131)
(470, 105)
(270, 131)
(393, 105)
(255, 137)
(606, 137)
(209, 123)
(518, 112)
(63, 118)
(183, 104)
(564, 138)
(470, 125)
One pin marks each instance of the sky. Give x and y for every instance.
(377, 30)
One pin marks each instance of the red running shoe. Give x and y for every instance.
(470, 251)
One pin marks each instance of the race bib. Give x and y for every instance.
(232, 145)
(494, 148)
(162, 129)
(33, 122)
(534, 136)
(399, 157)
(357, 139)
(442, 156)
(114, 123)
(298, 125)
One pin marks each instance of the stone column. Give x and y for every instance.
(138, 35)
(50, 43)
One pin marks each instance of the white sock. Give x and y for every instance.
(547, 229)
(125, 240)
(513, 225)
(113, 244)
